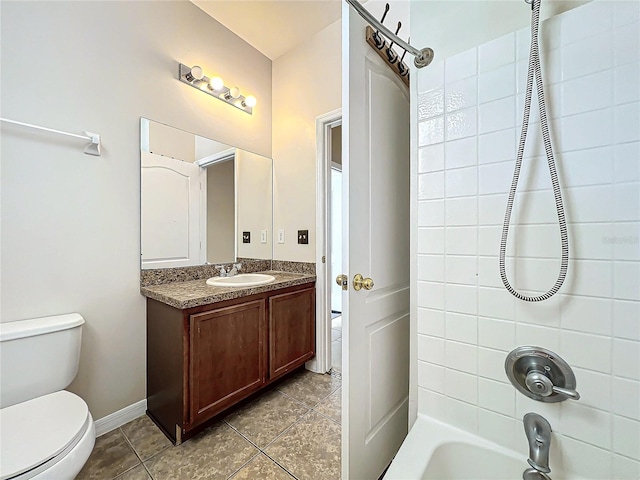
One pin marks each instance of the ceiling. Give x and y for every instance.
(273, 27)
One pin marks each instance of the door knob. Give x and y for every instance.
(359, 281)
(343, 281)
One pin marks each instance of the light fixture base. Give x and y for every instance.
(184, 73)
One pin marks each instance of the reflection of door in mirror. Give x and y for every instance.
(198, 197)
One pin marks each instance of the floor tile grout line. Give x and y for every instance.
(136, 452)
(244, 465)
(277, 437)
(130, 445)
(281, 466)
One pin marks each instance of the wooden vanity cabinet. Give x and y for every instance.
(203, 360)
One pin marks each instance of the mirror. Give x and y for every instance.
(202, 201)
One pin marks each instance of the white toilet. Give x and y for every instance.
(45, 431)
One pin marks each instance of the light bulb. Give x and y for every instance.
(250, 101)
(234, 92)
(196, 73)
(216, 83)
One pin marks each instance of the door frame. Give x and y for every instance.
(324, 123)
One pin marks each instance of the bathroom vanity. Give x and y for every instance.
(210, 347)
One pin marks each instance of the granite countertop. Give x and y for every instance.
(195, 293)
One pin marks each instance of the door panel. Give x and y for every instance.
(376, 148)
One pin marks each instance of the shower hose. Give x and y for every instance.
(534, 69)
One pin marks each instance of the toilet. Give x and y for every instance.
(45, 432)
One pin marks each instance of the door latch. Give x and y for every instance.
(343, 281)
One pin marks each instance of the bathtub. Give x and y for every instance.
(437, 451)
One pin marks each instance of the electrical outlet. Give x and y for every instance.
(263, 236)
(246, 237)
(281, 235)
(303, 237)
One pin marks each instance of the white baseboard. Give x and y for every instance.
(119, 418)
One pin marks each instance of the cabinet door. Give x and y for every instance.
(227, 358)
(291, 330)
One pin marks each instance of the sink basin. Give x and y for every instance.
(242, 280)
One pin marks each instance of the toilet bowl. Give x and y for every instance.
(45, 432)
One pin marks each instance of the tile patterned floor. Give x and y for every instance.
(289, 432)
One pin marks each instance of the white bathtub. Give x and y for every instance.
(437, 451)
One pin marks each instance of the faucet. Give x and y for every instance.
(538, 433)
(223, 272)
(234, 271)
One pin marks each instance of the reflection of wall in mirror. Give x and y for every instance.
(171, 142)
(254, 211)
(221, 213)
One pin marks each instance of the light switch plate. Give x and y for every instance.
(281, 235)
(263, 236)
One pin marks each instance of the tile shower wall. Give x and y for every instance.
(469, 114)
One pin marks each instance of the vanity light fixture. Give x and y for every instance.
(215, 87)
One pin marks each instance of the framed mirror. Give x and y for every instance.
(202, 201)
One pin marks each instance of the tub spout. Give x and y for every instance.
(538, 433)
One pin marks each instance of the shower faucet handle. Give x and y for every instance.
(538, 383)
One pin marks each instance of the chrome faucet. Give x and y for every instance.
(223, 272)
(538, 433)
(234, 271)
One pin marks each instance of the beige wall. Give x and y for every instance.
(70, 223)
(221, 212)
(306, 84)
(254, 203)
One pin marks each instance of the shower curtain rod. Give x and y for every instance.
(423, 57)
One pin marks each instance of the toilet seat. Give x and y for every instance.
(26, 449)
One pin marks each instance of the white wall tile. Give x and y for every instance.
(431, 158)
(431, 322)
(461, 240)
(491, 364)
(461, 327)
(593, 166)
(430, 186)
(586, 314)
(598, 15)
(589, 241)
(461, 66)
(586, 424)
(626, 397)
(594, 388)
(597, 87)
(461, 386)
(498, 83)
(461, 94)
(626, 81)
(625, 12)
(626, 280)
(432, 404)
(496, 115)
(626, 198)
(495, 178)
(432, 77)
(497, 396)
(461, 269)
(489, 241)
(587, 130)
(489, 272)
(460, 182)
(627, 122)
(626, 359)
(589, 204)
(545, 313)
(461, 356)
(431, 213)
(431, 295)
(431, 349)
(497, 146)
(461, 124)
(587, 351)
(625, 320)
(496, 334)
(626, 44)
(625, 468)
(430, 104)
(626, 437)
(431, 268)
(590, 55)
(535, 274)
(523, 43)
(431, 131)
(431, 240)
(626, 165)
(589, 277)
(461, 153)
(583, 459)
(460, 298)
(431, 376)
(528, 334)
(542, 241)
(496, 53)
(496, 303)
(551, 411)
(462, 415)
(497, 428)
(462, 211)
(491, 209)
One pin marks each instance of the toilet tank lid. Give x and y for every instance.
(39, 326)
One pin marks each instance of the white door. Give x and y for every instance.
(376, 244)
(172, 212)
